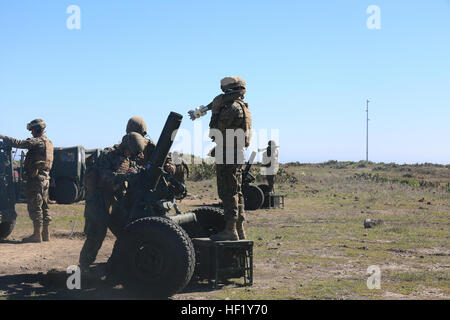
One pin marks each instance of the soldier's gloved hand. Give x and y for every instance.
(198, 112)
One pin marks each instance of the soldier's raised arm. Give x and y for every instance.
(28, 144)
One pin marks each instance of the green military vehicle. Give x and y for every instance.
(8, 192)
(66, 176)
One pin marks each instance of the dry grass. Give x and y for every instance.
(317, 247)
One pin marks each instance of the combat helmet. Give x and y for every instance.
(36, 123)
(133, 142)
(272, 144)
(233, 83)
(137, 124)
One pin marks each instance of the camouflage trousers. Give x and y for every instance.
(100, 212)
(229, 187)
(37, 198)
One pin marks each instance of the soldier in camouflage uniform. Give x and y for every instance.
(138, 125)
(106, 184)
(38, 162)
(181, 167)
(270, 163)
(230, 114)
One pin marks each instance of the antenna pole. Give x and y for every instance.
(367, 131)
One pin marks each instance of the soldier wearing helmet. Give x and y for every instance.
(230, 114)
(106, 186)
(38, 162)
(270, 164)
(181, 167)
(138, 125)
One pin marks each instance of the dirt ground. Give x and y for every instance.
(314, 248)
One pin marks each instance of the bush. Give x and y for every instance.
(203, 171)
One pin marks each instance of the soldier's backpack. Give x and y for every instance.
(247, 124)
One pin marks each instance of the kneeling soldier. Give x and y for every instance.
(104, 183)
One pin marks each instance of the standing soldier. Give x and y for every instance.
(38, 162)
(105, 183)
(270, 163)
(230, 128)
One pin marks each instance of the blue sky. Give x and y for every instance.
(309, 66)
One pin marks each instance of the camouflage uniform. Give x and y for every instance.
(229, 174)
(102, 209)
(138, 125)
(228, 113)
(180, 170)
(38, 162)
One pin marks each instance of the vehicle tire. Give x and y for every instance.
(210, 220)
(6, 228)
(265, 189)
(253, 197)
(153, 257)
(66, 191)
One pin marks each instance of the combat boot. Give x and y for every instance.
(36, 236)
(240, 229)
(45, 232)
(228, 234)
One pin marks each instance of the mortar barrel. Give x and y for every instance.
(162, 149)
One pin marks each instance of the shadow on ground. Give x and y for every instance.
(52, 286)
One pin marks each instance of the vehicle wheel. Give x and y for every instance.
(265, 189)
(154, 256)
(210, 220)
(6, 228)
(66, 191)
(253, 197)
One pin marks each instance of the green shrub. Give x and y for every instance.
(203, 171)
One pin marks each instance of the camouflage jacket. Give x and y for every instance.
(228, 114)
(180, 169)
(39, 158)
(113, 167)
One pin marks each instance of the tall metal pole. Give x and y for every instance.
(367, 131)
